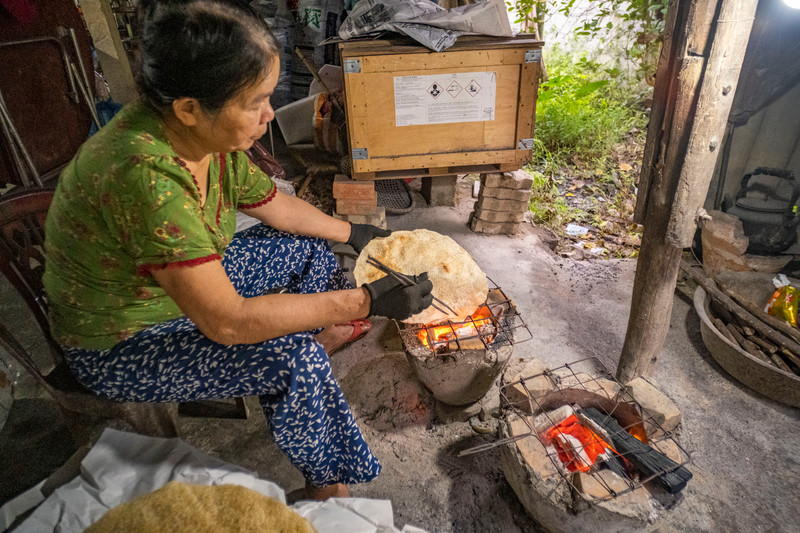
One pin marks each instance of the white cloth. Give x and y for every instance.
(122, 466)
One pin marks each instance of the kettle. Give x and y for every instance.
(768, 210)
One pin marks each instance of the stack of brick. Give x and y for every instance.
(357, 201)
(502, 202)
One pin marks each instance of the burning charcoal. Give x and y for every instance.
(578, 447)
(545, 421)
(646, 459)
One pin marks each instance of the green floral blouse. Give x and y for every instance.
(124, 206)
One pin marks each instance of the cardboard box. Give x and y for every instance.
(413, 112)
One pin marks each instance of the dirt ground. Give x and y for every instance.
(744, 447)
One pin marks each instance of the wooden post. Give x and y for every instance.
(699, 66)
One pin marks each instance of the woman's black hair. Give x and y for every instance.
(203, 49)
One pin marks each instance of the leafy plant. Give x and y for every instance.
(583, 110)
(639, 24)
(546, 204)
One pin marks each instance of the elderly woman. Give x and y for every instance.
(154, 298)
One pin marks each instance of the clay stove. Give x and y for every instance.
(459, 361)
(563, 497)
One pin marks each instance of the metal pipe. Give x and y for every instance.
(18, 163)
(84, 92)
(20, 144)
(80, 63)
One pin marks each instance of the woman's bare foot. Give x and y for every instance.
(333, 337)
(339, 490)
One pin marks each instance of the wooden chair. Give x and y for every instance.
(22, 259)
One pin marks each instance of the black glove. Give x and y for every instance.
(392, 299)
(361, 234)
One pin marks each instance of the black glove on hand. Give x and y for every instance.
(392, 299)
(361, 234)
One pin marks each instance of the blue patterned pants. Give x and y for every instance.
(291, 375)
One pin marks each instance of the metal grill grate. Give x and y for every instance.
(502, 327)
(585, 381)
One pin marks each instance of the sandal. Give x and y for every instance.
(361, 326)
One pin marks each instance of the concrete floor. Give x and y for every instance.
(744, 446)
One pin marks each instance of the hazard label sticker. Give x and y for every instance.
(435, 90)
(453, 89)
(471, 98)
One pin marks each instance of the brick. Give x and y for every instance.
(713, 242)
(536, 383)
(582, 380)
(376, 219)
(633, 505)
(661, 410)
(493, 228)
(726, 228)
(767, 263)
(356, 207)
(715, 261)
(494, 204)
(594, 488)
(345, 188)
(499, 216)
(519, 195)
(670, 448)
(518, 179)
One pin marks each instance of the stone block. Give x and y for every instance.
(633, 505)
(499, 216)
(346, 188)
(600, 484)
(493, 228)
(725, 228)
(376, 219)
(582, 380)
(518, 179)
(519, 195)
(356, 207)
(767, 263)
(715, 261)
(661, 410)
(440, 190)
(536, 383)
(495, 204)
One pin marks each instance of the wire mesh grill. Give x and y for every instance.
(586, 380)
(494, 325)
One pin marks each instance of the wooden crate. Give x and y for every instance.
(413, 112)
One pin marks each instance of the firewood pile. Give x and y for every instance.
(767, 338)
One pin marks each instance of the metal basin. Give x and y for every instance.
(770, 381)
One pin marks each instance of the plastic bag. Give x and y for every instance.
(783, 303)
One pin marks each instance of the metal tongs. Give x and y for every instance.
(407, 281)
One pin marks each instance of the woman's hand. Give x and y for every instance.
(361, 234)
(392, 299)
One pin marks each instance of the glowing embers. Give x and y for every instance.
(494, 324)
(578, 447)
(474, 333)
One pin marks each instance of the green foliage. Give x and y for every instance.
(547, 206)
(637, 26)
(583, 110)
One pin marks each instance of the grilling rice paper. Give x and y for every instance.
(457, 279)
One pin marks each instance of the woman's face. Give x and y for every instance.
(244, 119)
